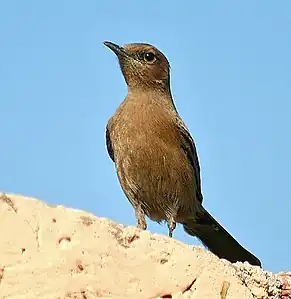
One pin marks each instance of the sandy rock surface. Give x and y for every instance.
(55, 252)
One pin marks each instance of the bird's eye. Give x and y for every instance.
(149, 57)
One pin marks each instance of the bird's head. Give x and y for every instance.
(142, 65)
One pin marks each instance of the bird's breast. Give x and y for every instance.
(151, 164)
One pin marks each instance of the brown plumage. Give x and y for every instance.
(155, 156)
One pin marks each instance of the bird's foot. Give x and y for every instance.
(171, 227)
(140, 216)
(141, 224)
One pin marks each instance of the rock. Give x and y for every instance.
(56, 253)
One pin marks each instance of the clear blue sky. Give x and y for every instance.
(230, 77)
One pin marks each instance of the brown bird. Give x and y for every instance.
(155, 156)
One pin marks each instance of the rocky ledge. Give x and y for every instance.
(56, 252)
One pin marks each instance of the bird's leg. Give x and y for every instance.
(171, 226)
(140, 217)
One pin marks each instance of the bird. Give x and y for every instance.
(155, 156)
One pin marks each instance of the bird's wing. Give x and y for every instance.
(189, 147)
(108, 144)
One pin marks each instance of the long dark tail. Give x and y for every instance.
(217, 239)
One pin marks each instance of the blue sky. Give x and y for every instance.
(230, 77)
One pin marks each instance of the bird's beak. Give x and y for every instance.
(119, 51)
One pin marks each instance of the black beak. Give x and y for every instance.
(119, 51)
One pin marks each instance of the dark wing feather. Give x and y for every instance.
(189, 147)
(109, 145)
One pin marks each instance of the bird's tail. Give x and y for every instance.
(217, 239)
